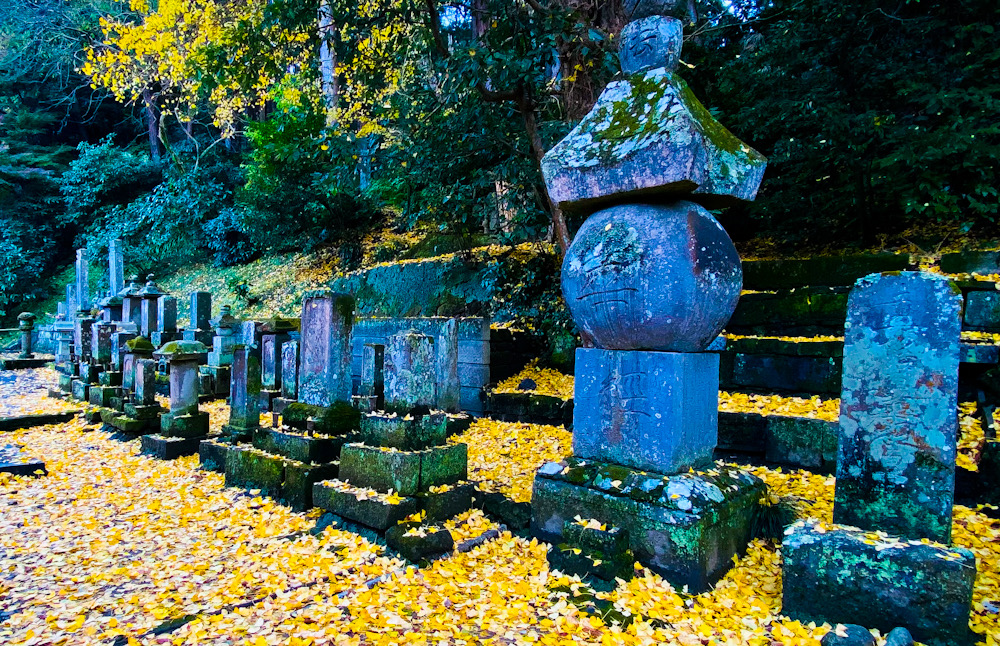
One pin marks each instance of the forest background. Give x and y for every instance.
(226, 130)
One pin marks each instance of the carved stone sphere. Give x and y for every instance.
(652, 277)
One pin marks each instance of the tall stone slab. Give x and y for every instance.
(101, 342)
(72, 304)
(116, 267)
(898, 422)
(201, 310)
(373, 370)
(289, 369)
(166, 314)
(145, 382)
(83, 279)
(244, 393)
(325, 356)
(410, 372)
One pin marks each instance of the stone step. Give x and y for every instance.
(379, 511)
(287, 481)
(405, 472)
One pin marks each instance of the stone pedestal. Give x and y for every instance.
(685, 527)
(244, 397)
(656, 411)
(838, 574)
(184, 426)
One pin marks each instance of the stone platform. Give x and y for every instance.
(15, 363)
(15, 461)
(170, 448)
(840, 574)
(685, 527)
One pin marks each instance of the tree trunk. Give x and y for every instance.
(328, 61)
(152, 126)
(527, 110)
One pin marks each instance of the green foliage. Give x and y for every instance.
(873, 117)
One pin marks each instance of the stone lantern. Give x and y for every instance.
(651, 278)
(184, 426)
(26, 324)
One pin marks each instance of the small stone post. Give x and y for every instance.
(244, 396)
(184, 419)
(26, 324)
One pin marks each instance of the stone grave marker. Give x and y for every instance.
(325, 353)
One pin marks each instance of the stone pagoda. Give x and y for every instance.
(650, 279)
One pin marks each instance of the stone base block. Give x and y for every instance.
(66, 383)
(377, 511)
(267, 398)
(220, 359)
(23, 364)
(515, 515)
(102, 395)
(205, 336)
(365, 403)
(32, 421)
(90, 372)
(110, 378)
(416, 542)
(185, 426)
(237, 434)
(15, 462)
(799, 442)
(311, 449)
(405, 472)
(55, 393)
(845, 575)
(151, 412)
(81, 390)
(280, 404)
(94, 415)
(339, 419)
(686, 527)
(447, 503)
(252, 468)
(297, 490)
(212, 455)
(170, 448)
(404, 432)
(655, 411)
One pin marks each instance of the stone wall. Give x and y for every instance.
(473, 350)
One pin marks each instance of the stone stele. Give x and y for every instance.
(898, 426)
(649, 137)
(644, 277)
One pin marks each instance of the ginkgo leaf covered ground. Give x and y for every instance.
(115, 544)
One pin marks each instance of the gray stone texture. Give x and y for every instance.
(116, 267)
(982, 310)
(82, 340)
(650, 43)
(270, 358)
(145, 382)
(685, 527)
(100, 347)
(643, 277)
(183, 387)
(449, 388)
(289, 369)
(373, 371)
(649, 137)
(149, 317)
(898, 426)
(244, 390)
(474, 350)
(656, 411)
(325, 355)
(410, 372)
(83, 280)
(847, 575)
(200, 311)
(166, 316)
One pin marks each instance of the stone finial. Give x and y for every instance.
(26, 320)
(651, 43)
(226, 323)
(151, 290)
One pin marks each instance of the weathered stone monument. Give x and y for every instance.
(200, 327)
(132, 306)
(82, 287)
(244, 396)
(149, 313)
(112, 305)
(183, 427)
(275, 332)
(371, 391)
(166, 321)
(651, 279)
(285, 462)
(289, 376)
(26, 325)
(403, 451)
(133, 410)
(895, 472)
(216, 375)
